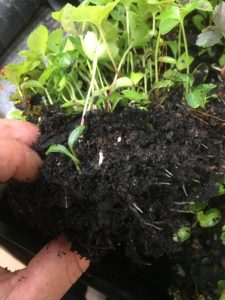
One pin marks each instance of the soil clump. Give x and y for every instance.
(138, 172)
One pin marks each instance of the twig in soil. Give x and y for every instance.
(208, 115)
(138, 208)
(195, 180)
(201, 120)
(143, 221)
(204, 146)
(184, 189)
(163, 183)
(183, 203)
(182, 211)
(169, 173)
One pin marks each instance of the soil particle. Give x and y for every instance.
(138, 171)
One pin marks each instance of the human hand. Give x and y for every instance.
(55, 268)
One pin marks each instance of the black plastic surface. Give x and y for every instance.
(26, 9)
(14, 16)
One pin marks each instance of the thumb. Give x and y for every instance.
(50, 273)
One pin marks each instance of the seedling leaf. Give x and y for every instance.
(55, 40)
(57, 148)
(32, 84)
(93, 14)
(74, 136)
(134, 96)
(208, 38)
(167, 59)
(182, 234)
(184, 61)
(194, 99)
(167, 25)
(123, 82)
(219, 16)
(38, 39)
(209, 218)
(136, 77)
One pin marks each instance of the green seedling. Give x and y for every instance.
(73, 137)
(209, 218)
(199, 95)
(182, 234)
(115, 51)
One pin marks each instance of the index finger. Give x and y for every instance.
(24, 132)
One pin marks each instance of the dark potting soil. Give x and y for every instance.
(139, 169)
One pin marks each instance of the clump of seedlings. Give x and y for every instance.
(145, 90)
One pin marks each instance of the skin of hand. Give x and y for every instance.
(55, 268)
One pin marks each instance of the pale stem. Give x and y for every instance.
(95, 61)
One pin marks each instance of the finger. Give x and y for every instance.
(51, 273)
(18, 161)
(18, 130)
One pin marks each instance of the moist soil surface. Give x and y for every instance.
(139, 170)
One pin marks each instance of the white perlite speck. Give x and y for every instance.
(101, 158)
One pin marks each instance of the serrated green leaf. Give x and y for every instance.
(209, 218)
(38, 40)
(14, 72)
(67, 20)
(32, 84)
(93, 14)
(74, 136)
(55, 40)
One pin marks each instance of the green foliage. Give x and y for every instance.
(221, 287)
(209, 218)
(113, 50)
(199, 95)
(16, 115)
(213, 34)
(182, 234)
(73, 137)
(221, 187)
(38, 39)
